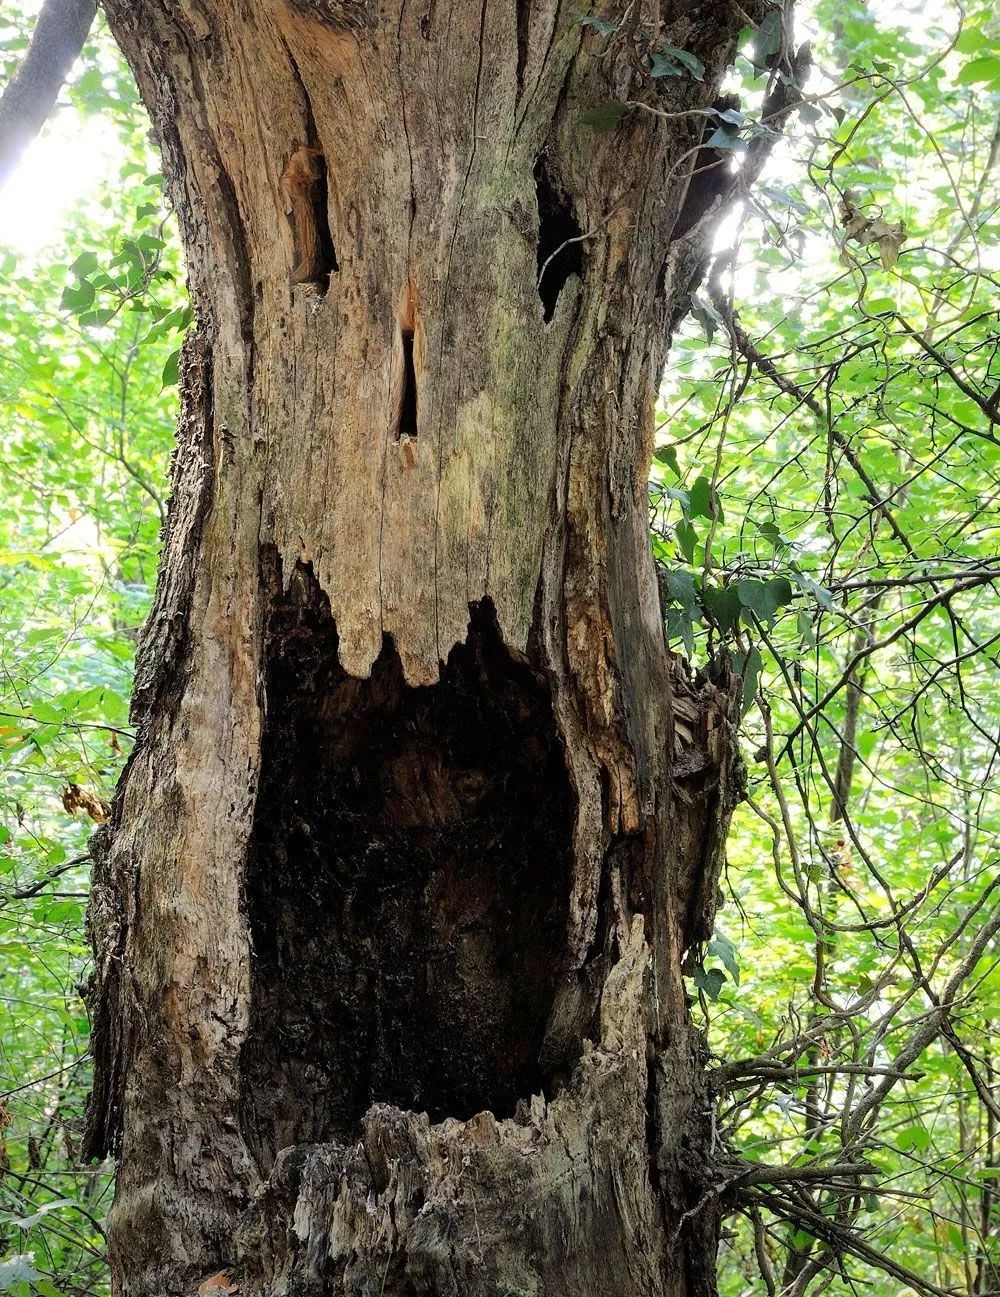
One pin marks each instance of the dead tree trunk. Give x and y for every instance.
(421, 817)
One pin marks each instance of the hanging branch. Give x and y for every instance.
(31, 93)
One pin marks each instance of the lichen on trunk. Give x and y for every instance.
(421, 818)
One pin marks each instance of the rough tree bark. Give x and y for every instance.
(422, 817)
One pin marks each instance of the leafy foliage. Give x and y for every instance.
(824, 509)
(86, 331)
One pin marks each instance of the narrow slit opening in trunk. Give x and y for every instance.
(406, 396)
(560, 249)
(407, 883)
(304, 183)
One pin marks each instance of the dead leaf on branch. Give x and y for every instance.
(217, 1285)
(870, 230)
(75, 798)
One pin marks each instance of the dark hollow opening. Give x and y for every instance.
(326, 253)
(407, 426)
(560, 249)
(308, 190)
(407, 883)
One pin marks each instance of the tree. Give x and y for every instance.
(391, 914)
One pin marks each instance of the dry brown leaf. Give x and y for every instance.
(75, 798)
(217, 1285)
(868, 230)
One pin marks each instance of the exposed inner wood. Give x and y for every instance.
(303, 183)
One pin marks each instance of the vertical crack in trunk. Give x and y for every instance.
(407, 884)
(560, 250)
(403, 382)
(304, 185)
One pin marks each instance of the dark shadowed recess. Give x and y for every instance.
(560, 245)
(407, 882)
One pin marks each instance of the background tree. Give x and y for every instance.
(837, 1224)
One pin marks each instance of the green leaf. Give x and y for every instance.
(690, 61)
(680, 626)
(598, 24)
(768, 39)
(722, 603)
(985, 69)
(770, 532)
(605, 117)
(974, 39)
(85, 264)
(681, 588)
(721, 948)
(662, 66)
(687, 539)
(913, 1139)
(78, 297)
(171, 370)
(750, 672)
(18, 1269)
(703, 310)
(700, 495)
(725, 137)
(668, 455)
(709, 980)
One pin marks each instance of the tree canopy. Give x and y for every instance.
(823, 509)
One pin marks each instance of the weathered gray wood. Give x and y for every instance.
(410, 739)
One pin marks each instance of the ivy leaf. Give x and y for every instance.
(668, 455)
(974, 39)
(687, 538)
(707, 316)
(709, 980)
(85, 264)
(768, 39)
(681, 588)
(725, 137)
(749, 668)
(704, 500)
(721, 948)
(913, 1138)
(722, 604)
(771, 533)
(662, 66)
(690, 61)
(18, 1269)
(680, 625)
(605, 117)
(598, 24)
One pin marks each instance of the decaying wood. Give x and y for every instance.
(390, 917)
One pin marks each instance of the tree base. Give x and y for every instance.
(555, 1202)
